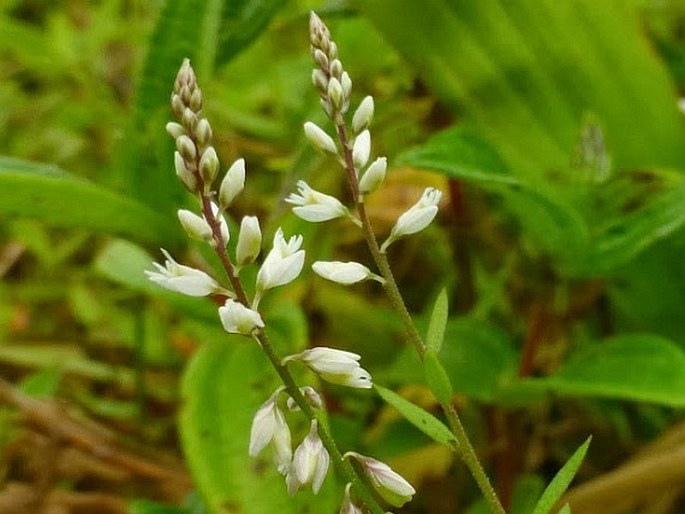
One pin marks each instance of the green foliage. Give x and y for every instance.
(438, 321)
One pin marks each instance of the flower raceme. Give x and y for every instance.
(334, 366)
(182, 279)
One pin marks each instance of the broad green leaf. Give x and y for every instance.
(424, 421)
(561, 481)
(639, 367)
(43, 192)
(223, 386)
(437, 323)
(436, 377)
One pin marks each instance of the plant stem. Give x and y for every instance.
(465, 448)
(343, 466)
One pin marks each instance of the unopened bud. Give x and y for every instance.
(249, 241)
(186, 148)
(232, 184)
(195, 226)
(203, 132)
(320, 59)
(209, 166)
(175, 129)
(335, 92)
(346, 83)
(373, 177)
(320, 80)
(184, 174)
(177, 105)
(363, 115)
(361, 149)
(336, 68)
(195, 102)
(319, 139)
(189, 119)
(332, 50)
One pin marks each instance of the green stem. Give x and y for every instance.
(465, 448)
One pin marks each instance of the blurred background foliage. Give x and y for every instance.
(552, 127)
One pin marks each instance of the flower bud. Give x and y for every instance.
(310, 462)
(209, 166)
(345, 273)
(238, 319)
(373, 177)
(335, 366)
(335, 92)
(196, 100)
(184, 174)
(203, 132)
(175, 129)
(391, 486)
(269, 426)
(189, 119)
(336, 68)
(348, 506)
(361, 149)
(320, 80)
(313, 398)
(320, 59)
(249, 241)
(186, 148)
(195, 226)
(319, 139)
(363, 115)
(232, 184)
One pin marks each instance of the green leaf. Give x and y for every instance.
(438, 321)
(561, 481)
(223, 386)
(424, 421)
(436, 377)
(639, 367)
(463, 155)
(44, 192)
(527, 491)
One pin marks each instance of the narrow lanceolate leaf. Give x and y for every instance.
(437, 378)
(561, 481)
(438, 322)
(48, 194)
(424, 421)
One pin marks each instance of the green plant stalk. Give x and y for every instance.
(464, 448)
(342, 466)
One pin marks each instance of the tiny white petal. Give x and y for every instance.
(314, 206)
(342, 272)
(182, 279)
(238, 319)
(283, 263)
(361, 149)
(418, 217)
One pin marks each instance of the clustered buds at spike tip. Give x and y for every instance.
(310, 463)
(319, 139)
(238, 319)
(416, 218)
(269, 426)
(345, 273)
(283, 263)
(182, 279)
(388, 484)
(334, 366)
(315, 206)
(249, 241)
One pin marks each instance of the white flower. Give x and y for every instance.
(310, 463)
(416, 218)
(342, 272)
(389, 485)
(319, 139)
(361, 149)
(238, 319)
(335, 92)
(348, 507)
(209, 166)
(283, 264)
(315, 206)
(269, 426)
(373, 176)
(232, 183)
(335, 366)
(182, 279)
(249, 241)
(363, 115)
(194, 225)
(184, 174)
